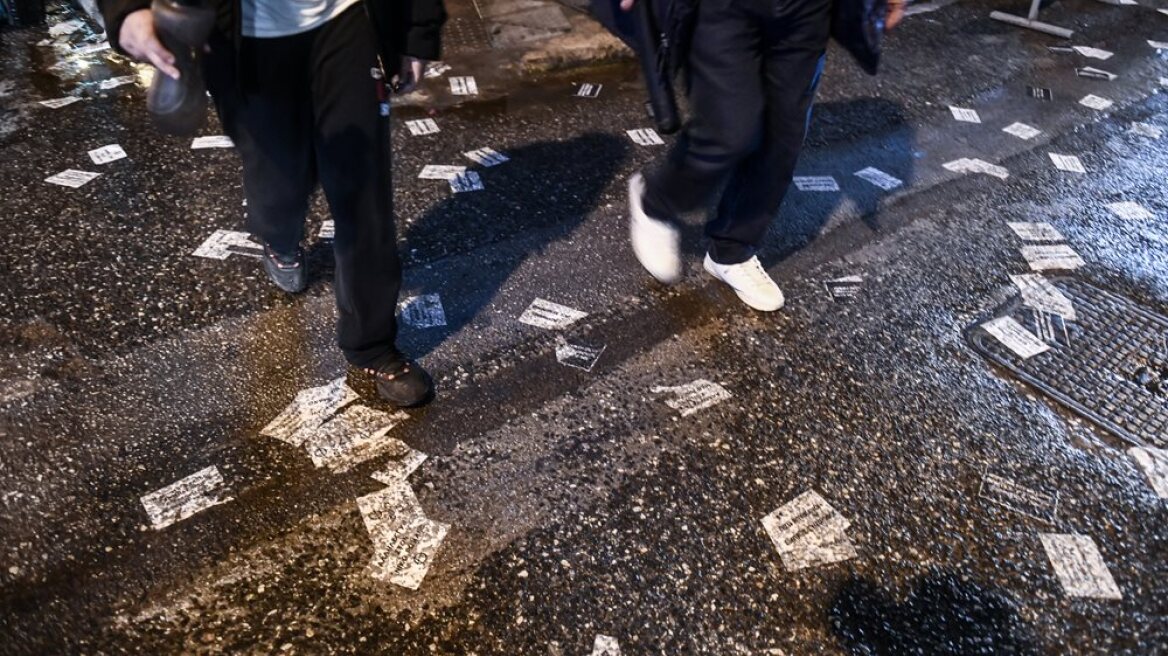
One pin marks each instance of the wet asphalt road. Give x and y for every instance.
(580, 503)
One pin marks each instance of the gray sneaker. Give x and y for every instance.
(289, 272)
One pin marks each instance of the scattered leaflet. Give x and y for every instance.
(844, 289)
(422, 127)
(589, 90)
(808, 532)
(435, 69)
(1022, 131)
(440, 172)
(816, 183)
(225, 243)
(1069, 163)
(646, 137)
(1019, 498)
(72, 178)
(466, 181)
(486, 157)
(605, 646)
(58, 103)
(1096, 102)
(549, 315)
(216, 141)
(1154, 463)
(464, 86)
(965, 115)
(879, 178)
(107, 154)
(1036, 231)
(1079, 566)
(115, 82)
(1093, 53)
(1130, 211)
(1095, 74)
(1044, 258)
(353, 436)
(1016, 338)
(968, 165)
(423, 311)
(693, 397)
(1146, 130)
(1040, 93)
(185, 498)
(1040, 294)
(328, 230)
(310, 409)
(404, 539)
(580, 356)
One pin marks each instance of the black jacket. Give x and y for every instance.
(405, 27)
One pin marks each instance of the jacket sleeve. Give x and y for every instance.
(410, 27)
(114, 13)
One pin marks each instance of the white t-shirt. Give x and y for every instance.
(267, 19)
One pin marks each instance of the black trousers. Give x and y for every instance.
(306, 109)
(753, 70)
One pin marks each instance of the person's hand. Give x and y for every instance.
(895, 13)
(411, 73)
(627, 5)
(137, 37)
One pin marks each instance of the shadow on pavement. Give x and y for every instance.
(941, 615)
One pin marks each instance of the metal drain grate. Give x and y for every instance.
(1110, 365)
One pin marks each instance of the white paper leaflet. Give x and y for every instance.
(553, 316)
(1093, 53)
(225, 243)
(808, 532)
(66, 28)
(487, 157)
(580, 356)
(107, 154)
(1022, 131)
(645, 137)
(308, 411)
(436, 69)
(466, 181)
(968, 165)
(1020, 499)
(115, 82)
(1154, 463)
(184, 498)
(1040, 294)
(1146, 130)
(353, 436)
(328, 230)
(91, 48)
(1093, 73)
(1096, 102)
(844, 289)
(215, 141)
(1158, 45)
(605, 646)
(399, 469)
(71, 178)
(1079, 566)
(422, 127)
(1014, 337)
(879, 178)
(404, 539)
(464, 86)
(58, 103)
(816, 183)
(1036, 231)
(1067, 163)
(965, 115)
(1130, 211)
(440, 172)
(1045, 258)
(693, 397)
(589, 90)
(423, 311)
(1040, 93)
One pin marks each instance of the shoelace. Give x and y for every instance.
(758, 277)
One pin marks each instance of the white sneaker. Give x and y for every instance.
(657, 244)
(750, 281)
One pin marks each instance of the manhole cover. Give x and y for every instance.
(1110, 365)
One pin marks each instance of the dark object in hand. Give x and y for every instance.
(858, 26)
(179, 107)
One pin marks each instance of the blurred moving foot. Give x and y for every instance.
(289, 272)
(750, 281)
(656, 243)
